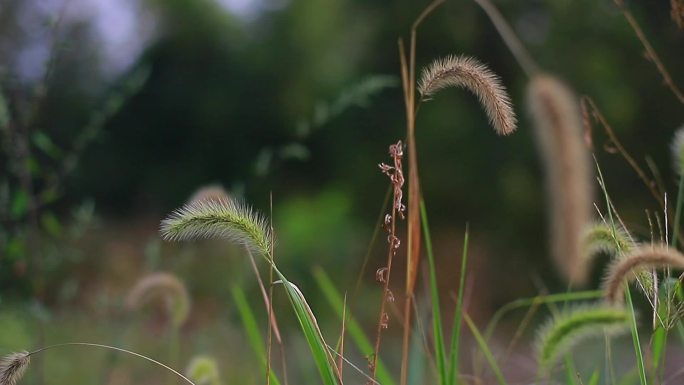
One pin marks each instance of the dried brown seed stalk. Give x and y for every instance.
(559, 131)
(463, 71)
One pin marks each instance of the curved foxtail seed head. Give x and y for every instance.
(678, 150)
(210, 193)
(13, 366)
(562, 333)
(230, 220)
(559, 132)
(463, 71)
(167, 287)
(602, 238)
(641, 258)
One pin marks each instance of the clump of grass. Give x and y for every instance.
(166, 286)
(559, 130)
(463, 71)
(230, 220)
(640, 258)
(13, 366)
(565, 331)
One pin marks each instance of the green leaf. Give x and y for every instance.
(252, 328)
(46, 145)
(19, 205)
(51, 224)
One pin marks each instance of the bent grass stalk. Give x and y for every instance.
(14, 365)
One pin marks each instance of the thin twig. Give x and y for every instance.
(508, 35)
(650, 52)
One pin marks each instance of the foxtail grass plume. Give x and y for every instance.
(602, 238)
(559, 132)
(643, 257)
(213, 193)
(13, 366)
(463, 71)
(166, 286)
(564, 332)
(229, 219)
(678, 150)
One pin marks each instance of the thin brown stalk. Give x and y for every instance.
(650, 52)
(340, 361)
(510, 38)
(408, 75)
(654, 187)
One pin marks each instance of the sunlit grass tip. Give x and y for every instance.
(678, 150)
(13, 366)
(203, 370)
(166, 286)
(565, 331)
(463, 71)
(643, 257)
(232, 220)
(600, 237)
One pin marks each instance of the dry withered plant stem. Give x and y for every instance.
(649, 51)
(408, 80)
(396, 176)
(589, 107)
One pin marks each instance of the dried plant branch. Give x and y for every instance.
(462, 71)
(650, 52)
(653, 187)
(396, 176)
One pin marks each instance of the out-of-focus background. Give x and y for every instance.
(114, 112)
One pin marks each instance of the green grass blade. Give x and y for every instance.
(458, 314)
(658, 349)
(314, 338)
(630, 305)
(570, 370)
(485, 350)
(251, 328)
(635, 339)
(595, 377)
(352, 326)
(440, 355)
